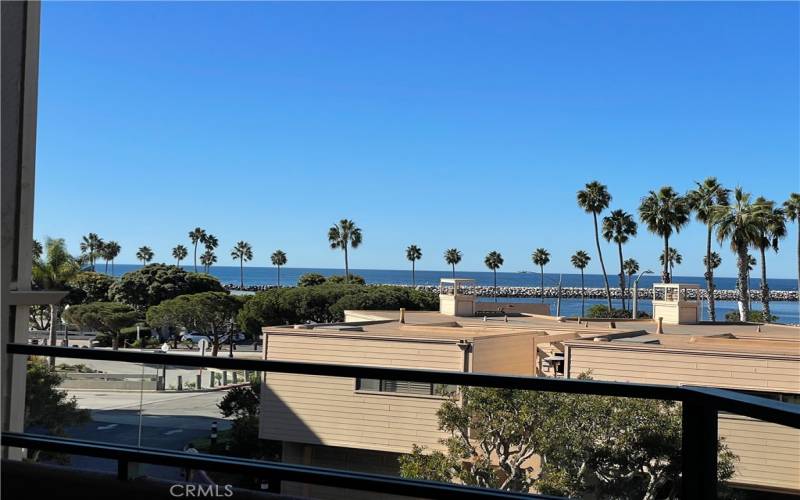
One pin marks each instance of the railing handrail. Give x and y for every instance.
(742, 404)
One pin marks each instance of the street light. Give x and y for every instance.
(635, 297)
(66, 327)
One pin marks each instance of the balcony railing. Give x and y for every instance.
(700, 408)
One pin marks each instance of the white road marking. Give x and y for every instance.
(106, 427)
(173, 431)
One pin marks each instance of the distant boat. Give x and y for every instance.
(522, 272)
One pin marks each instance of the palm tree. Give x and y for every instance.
(772, 227)
(210, 242)
(631, 267)
(674, 258)
(494, 261)
(413, 253)
(739, 222)
(90, 245)
(242, 252)
(619, 227)
(53, 273)
(37, 250)
(664, 211)
(109, 252)
(594, 199)
(714, 262)
(580, 260)
(792, 209)
(179, 253)
(198, 235)
(207, 260)
(278, 259)
(541, 258)
(145, 254)
(452, 256)
(702, 201)
(343, 235)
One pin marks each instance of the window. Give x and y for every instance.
(404, 387)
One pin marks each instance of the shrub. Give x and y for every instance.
(753, 317)
(311, 279)
(601, 311)
(354, 280)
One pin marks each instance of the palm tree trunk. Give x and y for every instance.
(798, 255)
(742, 285)
(195, 257)
(115, 342)
(279, 276)
(413, 273)
(712, 311)
(495, 284)
(241, 273)
(112, 267)
(621, 277)
(541, 282)
(764, 287)
(52, 335)
(583, 296)
(666, 276)
(346, 266)
(106, 266)
(602, 264)
(454, 266)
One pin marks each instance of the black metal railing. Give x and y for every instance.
(700, 409)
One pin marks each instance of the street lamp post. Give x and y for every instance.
(66, 327)
(230, 339)
(635, 297)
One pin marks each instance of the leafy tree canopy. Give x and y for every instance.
(88, 286)
(311, 279)
(45, 405)
(156, 283)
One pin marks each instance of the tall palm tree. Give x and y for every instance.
(631, 267)
(541, 258)
(452, 256)
(594, 199)
(792, 209)
(494, 260)
(111, 251)
(413, 253)
(208, 259)
(37, 250)
(673, 259)
(619, 227)
(53, 272)
(343, 235)
(242, 252)
(771, 228)
(179, 253)
(702, 201)
(210, 242)
(580, 260)
(713, 262)
(145, 254)
(739, 222)
(197, 235)
(278, 259)
(90, 245)
(664, 212)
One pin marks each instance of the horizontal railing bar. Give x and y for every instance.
(574, 386)
(747, 405)
(265, 469)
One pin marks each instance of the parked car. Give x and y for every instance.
(238, 338)
(194, 338)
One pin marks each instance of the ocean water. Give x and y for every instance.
(787, 312)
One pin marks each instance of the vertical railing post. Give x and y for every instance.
(699, 451)
(122, 470)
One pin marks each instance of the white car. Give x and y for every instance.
(194, 338)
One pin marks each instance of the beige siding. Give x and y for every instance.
(769, 454)
(328, 410)
(505, 354)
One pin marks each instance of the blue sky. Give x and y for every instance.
(450, 124)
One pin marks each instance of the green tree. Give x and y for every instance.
(210, 242)
(740, 223)
(156, 283)
(210, 313)
(631, 267)
(278, 259)
(105, 317)
(702, 201)
(242, 252)
(590, 446)
(664, 212)
(179, 253)
(413, 254)
(111, 251)
(792, 209)
(771, 228)
(345, 235)
(494, 261)
(594, 199)
(619, 227)
(541, 258)
(37, 250)
(145, 254)
(197, 235)
(714, 262)
(53, 272)
(580, 260)
(208, 259)
(673, 259)
(88, 286)
(311, 279)
(452, 256)
(90, 245)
